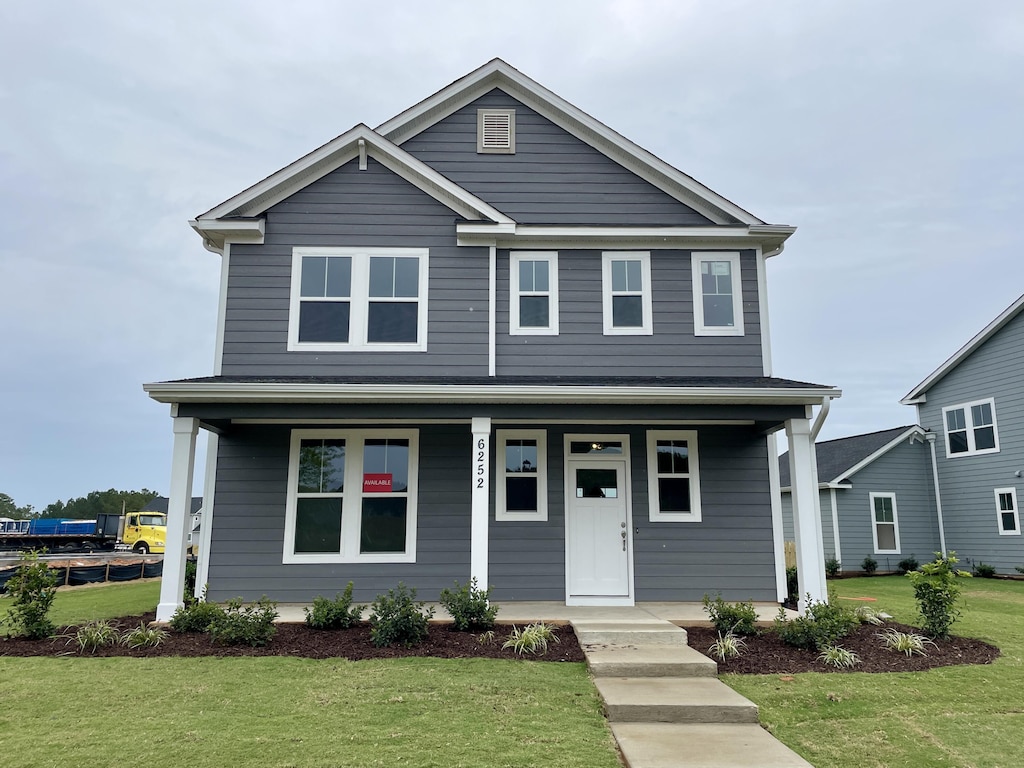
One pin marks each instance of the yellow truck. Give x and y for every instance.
(142, 532)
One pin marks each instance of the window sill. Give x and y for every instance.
(971, 453)
(402, 557)
(330, 347)
(520, 517)
(675, 517)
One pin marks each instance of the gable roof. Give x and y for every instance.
(918, 393)
(840, 459)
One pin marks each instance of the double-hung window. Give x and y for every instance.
(370, 299)
(351, 497)
(1007, 511)
(971, 428)
(626, 288)
(673, 476)
(884, 525)
(717, 294)
(521, 492)
(533, 280)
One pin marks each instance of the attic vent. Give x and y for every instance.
(496, 131)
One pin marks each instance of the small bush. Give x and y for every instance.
(1019, 568)
(867, 615)
(144, 637)
(792, 585)
(398, 619)
(486, 638)
(727, 646)
(533, 639)
(907, 564)
(869, 565)
(937, 593)
(904, 642)
(832, 567)
(984, 570)
(32, 589)
(822, 624)
(838, 657)
(251, 624)
(469, 606)
(737, 618)
(196, 616)
(95, 635)
(188, 594)
(338, 613)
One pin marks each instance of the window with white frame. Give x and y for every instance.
(1007, 511)
(351, 496)
(626, 288)
(521, 489)
(884, 524)
(533, 301)
(971, 428)
(717, 294)
(673, 476)
(370, 299)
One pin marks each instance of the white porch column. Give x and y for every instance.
(810, 554)
(179, 507)
(481, 500)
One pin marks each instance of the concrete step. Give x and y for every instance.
(649, 661)
(673, 700)
(716, 745)
(649, 632)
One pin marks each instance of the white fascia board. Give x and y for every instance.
(847, 474)
(520, 235)
(918, 393)
(268, 392)
(498, 74)
(216, 233)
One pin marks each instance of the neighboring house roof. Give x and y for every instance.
(159, 504)
(918, 393)
(840, 459)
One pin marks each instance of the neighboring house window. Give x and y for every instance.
(370, 299)
(521, 492)
(496, 131)
(673, 476)
(971, 428)
(717, 294)
(1008, 512)
(533, 277)
(351, 496)
(885, 527)
(626, 281)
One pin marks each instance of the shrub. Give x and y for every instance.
(907, 564)
(239, 624)
(196, 616)
(533, 639)
(822, 624)
(735, 618)
(1019, 568)
(94, 635)
(984, 570)
(838, 657)
(904, 642)
(937, 593)
(727, 646)
(144, 637)
(32, 589)
(792, 585)
(469, 606)
(398, 619)
(867, 615)
(832, 567)
(869, 565)
(338, 613)
(189, 592)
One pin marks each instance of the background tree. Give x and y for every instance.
(9, 509)
(99, 502)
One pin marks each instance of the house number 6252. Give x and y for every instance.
(481, 464)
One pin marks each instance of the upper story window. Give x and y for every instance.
(673, 476)
(971, 428)
(496, 131)
(369, 299)
(717, 294)
(533, 308)
(626, 289)
(1007, 511)
(521, 492)
(885, 528)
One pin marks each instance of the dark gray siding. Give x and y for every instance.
(967, 483)
(582, 348)
(349, 207)
(553, 177)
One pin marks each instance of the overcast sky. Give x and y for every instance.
(890, 133)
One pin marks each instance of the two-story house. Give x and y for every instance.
(490, 338)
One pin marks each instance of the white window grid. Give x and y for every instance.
(697, 262)
(646, 328)
(966, 423)
(516, 291)
(653, 492)
(502, 436)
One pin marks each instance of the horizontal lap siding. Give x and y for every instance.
(553, 177)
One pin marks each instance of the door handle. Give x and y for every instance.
(623, 541)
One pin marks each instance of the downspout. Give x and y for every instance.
(819, 422)
(930, 437)
(492, 313)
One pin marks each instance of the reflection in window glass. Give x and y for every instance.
(595, 447)
(674, 494)
(318, 525)
(596, 484)
(388, 456)
(383, 524)
(394, 277)
(716, 287)
(533, 312)
(321, 466)
(673, 457)
(520, 455)
(392, 322)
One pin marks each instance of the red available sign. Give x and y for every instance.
(377, 483)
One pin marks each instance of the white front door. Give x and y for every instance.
(597, 529)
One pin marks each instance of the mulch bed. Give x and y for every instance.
(299, 641)
(767, 655)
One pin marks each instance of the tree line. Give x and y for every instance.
(82, 508)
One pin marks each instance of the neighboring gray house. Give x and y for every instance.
(490, 338)
(974, 403)
(877, 498)
(159, 504)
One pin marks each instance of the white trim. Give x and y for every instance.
(206, 521)
(216, 233)
(898, 440)
(836, 541)
(970, 428)
(655, 515)
(222, 310)
(359, 300)
(1012, 491)
(179, 513)
(482, 147)
(874, 522)
(515, 293)
(640, 238)
(492, 311)
(697, 260)
(352, 496)
(480, 490)
(778, 533)
(504, 420)
(500, 474)
(646, 328)
(810, 556)
(930, 438)
(762, 310)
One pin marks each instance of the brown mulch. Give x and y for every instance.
(767, 655)
(297, 640)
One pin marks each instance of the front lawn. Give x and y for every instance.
(952, 716)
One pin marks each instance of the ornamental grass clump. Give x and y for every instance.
(867, 615)
(338, 613)
(469, 606)
(95, 635)
(727, 646)
(838, 657)
(908, 643)
(735, 618)
(937, 590)
(144, 637)
(398, 619)
(533, 639)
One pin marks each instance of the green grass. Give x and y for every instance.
(951, 716)
(291, 712)
(105, 601)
